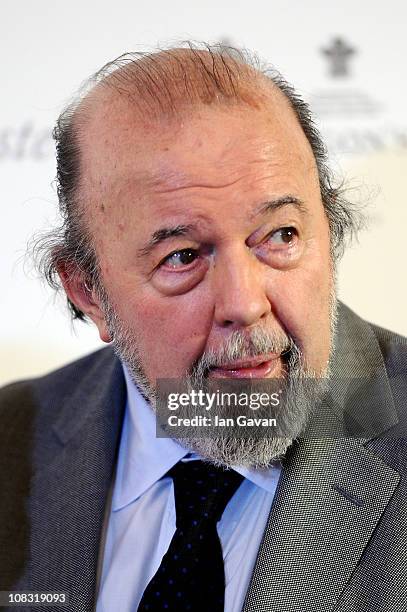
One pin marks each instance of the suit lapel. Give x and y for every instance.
(329, 500)
(333, 490)
(69, 495)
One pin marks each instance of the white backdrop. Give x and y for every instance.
(49, 47)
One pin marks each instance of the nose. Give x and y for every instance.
(241, 298)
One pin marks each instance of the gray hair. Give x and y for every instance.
(160, 83)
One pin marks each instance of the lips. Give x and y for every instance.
(255, 367)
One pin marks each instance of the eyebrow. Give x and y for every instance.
(165, 233)
(272, 205)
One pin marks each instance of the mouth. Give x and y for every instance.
(255, 367)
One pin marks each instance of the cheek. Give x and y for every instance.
(172, 331)
(301, 302)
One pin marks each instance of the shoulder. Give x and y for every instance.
(39, 413)
(24, 395)
(386, 353)
(392, 346)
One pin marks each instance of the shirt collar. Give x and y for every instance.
(144, 458)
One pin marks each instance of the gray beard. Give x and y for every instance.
(304, 390)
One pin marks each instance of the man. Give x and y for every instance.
(201, 232)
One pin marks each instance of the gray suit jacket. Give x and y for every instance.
(336, 538)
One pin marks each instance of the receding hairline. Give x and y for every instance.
(162, 85)
(182, 85)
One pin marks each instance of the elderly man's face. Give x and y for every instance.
(206, 226)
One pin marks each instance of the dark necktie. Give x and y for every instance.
(191, 575)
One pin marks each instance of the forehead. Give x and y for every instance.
(207, 146)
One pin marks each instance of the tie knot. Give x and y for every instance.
(202, 491)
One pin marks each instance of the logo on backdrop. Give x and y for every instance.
(353, 119)
(338, 54)
(339, 95)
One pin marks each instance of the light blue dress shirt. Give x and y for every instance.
(141, 523)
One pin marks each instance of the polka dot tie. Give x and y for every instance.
(191, 575)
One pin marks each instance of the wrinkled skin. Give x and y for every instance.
(236, 268)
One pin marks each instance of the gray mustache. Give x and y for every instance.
(241, 345)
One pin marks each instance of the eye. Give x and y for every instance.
(180, 259)
(284, 235)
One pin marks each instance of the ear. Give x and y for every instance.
(84, 297)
